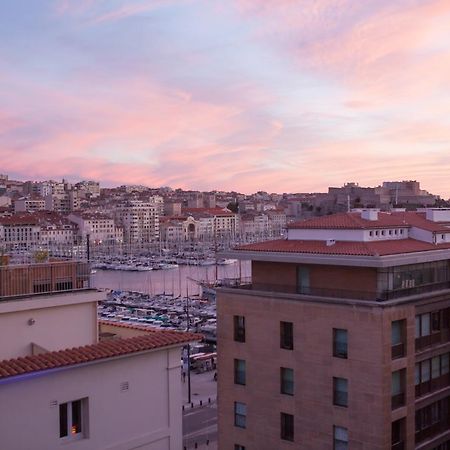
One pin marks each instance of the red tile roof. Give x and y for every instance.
(352, 221)
(375, 248)
(107, 349)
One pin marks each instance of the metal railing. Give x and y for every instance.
(247, 284)
(43, 278)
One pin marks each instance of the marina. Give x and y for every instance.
(179, 299)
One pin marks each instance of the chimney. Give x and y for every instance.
(369, 214)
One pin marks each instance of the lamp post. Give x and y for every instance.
(188, 346)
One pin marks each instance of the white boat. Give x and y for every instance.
(223, 262)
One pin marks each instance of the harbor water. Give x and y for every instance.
(180, 281)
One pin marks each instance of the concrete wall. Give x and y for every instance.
(53, 322)
(147, 416)
(368, 369)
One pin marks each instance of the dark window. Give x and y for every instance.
(340, 343)
(63, 427)
(71, 423)
(239, 447)
(398, 434)
(340, 438)
(287, 335)
(340, 391)
(239, 328)
(287, 427)
(240, 414)
(239, 371)
(398, 388)
(287, 381)
(432, 374)
(398, 339)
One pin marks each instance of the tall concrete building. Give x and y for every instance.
(140, 221)
(342, 338)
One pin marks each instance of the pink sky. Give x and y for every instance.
(275, 95)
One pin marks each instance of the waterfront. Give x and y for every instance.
(176, 282)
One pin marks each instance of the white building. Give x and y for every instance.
(140, 221)
(65, 385)
(100, 227)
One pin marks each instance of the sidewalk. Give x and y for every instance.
(203, 387)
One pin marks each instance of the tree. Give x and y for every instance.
(233, 206)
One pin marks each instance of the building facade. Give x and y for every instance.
(342, 338)
(71, 381)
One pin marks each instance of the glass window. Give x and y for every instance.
(425, 371)
(340, 391)
(239, 371)
(425, 324)
(436, 367)
(398, 388)
(287, 427)
(444, 364)
(239, 447)
(287, 335)
(71, 419)
(417, 335)
(239, 328)
(417, 374)
(240, 414)
(340, 343)
(287, 381)
(340, 438)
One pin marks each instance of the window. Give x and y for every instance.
(340, 343)
(286, 335)
(239, 371)
(398, 434)
(239, 328)
(287, 427)
(238, 447)
(340, 391)
(287, 381)
(72, 419)
(398, 338)
(432, 374)
(240, 414)
(398, 388)
(340, 438)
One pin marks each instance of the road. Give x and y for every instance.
(200, 426)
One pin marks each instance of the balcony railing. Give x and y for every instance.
(398, 400)
(334, 292)
(44, 278)
(398, 350)
(432, 339)
(435, 384)
(432, 430)
(398, 446)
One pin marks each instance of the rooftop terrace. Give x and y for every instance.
(43, 278)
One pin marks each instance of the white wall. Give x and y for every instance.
(147, 416)
(61, 321)
(323, 235)
(420, 234)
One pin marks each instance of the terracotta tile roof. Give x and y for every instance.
(376, 248)
(352, 221)
(107, 349)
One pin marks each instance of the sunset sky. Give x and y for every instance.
(275, 95)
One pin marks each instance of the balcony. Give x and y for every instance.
(247, 284)
(432, 430)
(432, 339)
(434, 384)
(44, 278)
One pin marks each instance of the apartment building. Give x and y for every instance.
(100, 227)
(20, 232)
(342, 338)
(29, 204)
(140, 221)
(67, 381)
